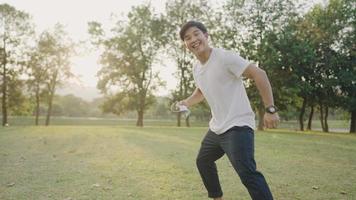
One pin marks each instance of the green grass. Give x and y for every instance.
(30, 121)
(334, 125)
(158, 162)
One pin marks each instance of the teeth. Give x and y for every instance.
(195, 45)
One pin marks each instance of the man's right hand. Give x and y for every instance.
(183, 102)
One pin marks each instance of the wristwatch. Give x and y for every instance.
(271, 109)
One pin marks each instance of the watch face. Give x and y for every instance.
(272, 109)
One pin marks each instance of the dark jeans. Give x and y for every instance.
(238, 144)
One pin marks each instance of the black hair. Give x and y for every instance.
(190, 24)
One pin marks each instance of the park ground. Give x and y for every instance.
(66, 162)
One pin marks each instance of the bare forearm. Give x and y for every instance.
(193, 99)
(264, 87)
(270, 120)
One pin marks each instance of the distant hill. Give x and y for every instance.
(87, 93)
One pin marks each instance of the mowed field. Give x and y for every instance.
(158, 162)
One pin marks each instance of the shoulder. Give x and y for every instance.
(223, 55)
(234, 58)
(234, 62)
(195, 67)
(222, 52)
(231, 56)
(228, 56)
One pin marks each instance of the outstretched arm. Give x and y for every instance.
(264, 87)
(196, 97)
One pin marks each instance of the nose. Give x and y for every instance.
(193, 39)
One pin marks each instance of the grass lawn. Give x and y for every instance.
(158, 162)
(334, 125)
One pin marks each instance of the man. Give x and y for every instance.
(218, 76)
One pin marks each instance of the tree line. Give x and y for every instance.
(309, 55)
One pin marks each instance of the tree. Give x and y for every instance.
(15, 29)
(18, 101)
(332, 22)
(55, 50)
(251, 28)
(310, 48)
(37, 71)
(178, 13)
(127, 77)
(295, 65)
(346, 70)
(72, 106)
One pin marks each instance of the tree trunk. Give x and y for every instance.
(4, 96)
(322, 116)
(4, 87)
(140, 118)
(49, 111)
(52, 89)
(326, 126)
(353, 122)
(37, 106)
(310, 120)
(301, 114)
(261, 112)
(179, 117)
(187, 123)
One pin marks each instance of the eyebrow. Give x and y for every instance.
(185, 36)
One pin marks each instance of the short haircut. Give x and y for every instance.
(190, 24)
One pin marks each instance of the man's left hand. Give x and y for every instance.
(270, 120)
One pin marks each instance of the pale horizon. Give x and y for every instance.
(75, 17)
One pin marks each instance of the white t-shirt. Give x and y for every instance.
(220, 81)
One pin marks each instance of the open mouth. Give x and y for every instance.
(196, 45)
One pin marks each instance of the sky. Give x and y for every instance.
(75, 14)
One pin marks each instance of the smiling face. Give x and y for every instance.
(196, 41)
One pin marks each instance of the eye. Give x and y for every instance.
(196, 33)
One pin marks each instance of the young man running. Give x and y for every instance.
(218, 76)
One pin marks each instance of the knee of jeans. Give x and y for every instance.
(244, 168)
(201, 161)
(244, 165)
(246, 177)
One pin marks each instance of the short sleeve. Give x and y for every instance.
(235, 63)
(195, 75)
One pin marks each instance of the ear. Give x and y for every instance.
(206, 35)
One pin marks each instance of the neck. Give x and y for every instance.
(204, 56)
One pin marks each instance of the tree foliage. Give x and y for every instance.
(250, 29)
(179, 12)
(55, 49)
(15, 31)
(309, 56)
(127, 77)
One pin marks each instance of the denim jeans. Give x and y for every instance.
(238, 144)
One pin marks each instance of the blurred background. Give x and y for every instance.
(122, 62)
